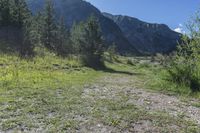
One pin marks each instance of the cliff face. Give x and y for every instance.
(79, 10)
(145, 37)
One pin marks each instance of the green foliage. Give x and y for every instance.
(20, 12)
(63, 47)
(130, 62)
(185, 66)
(112, 52)
(36, 30)
(5, 13)
(45, 32)
(15, 14)
(41, 32)
(49, 26)
(77, 37)
(87, 40)
(50, 71)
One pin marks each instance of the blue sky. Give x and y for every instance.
(174, 13)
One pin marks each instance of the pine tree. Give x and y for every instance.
(63, 43)
(87, 37)
(36, 32)
(20, 12)
(49, 26)
(77, 37)
(5, 17)
(21, 18)
(94, 45)
(14, 15)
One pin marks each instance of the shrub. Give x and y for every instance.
(185, 65)
(112, 52)
(130, 62)
(185, 71)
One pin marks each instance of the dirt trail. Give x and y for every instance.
(110, 87)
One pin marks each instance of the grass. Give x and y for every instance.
(124, 116)
(153, 76)
(45, 94)
(41, 91)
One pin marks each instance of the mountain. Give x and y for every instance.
(129, 34)
(145, 37)
(79, 10)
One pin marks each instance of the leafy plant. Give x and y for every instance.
(185, 65)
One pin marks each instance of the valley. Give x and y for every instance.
(69, 66)
(58, 95)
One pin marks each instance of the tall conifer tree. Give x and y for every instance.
(49, 26)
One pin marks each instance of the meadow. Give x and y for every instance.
(54, 94)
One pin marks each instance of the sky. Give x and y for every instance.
(174, 13)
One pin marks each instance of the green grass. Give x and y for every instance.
(152, 76)
(39, 92)
(46, 93)
(157, 78)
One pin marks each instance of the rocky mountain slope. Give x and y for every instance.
(145, 37)
(79, 10)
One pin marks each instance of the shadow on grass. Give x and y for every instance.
(110, 70)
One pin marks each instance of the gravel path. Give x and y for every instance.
(110, 87)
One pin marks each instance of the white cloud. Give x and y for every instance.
(180, 25)
(179, 29)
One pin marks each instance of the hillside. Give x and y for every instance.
(75, 11)
(129, 34)
(145, 37)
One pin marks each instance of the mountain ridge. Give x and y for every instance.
(130, 34)
(75, 11)
(148, 38)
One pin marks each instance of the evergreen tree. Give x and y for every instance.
(87, 37)
(27, 46)
(49, 26)
(36, 32)
(21, 18)
(19, 12)
(63, 43)
(5, 16)
(77, 37)
(14, 15)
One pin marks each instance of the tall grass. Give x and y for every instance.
(48, 71)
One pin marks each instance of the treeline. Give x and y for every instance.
(42, 31)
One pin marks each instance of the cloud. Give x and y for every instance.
(180, 25)
(179, 29)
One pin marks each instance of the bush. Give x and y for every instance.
(130, 62)
(112, 52)
(185, 71)
(185, 65)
